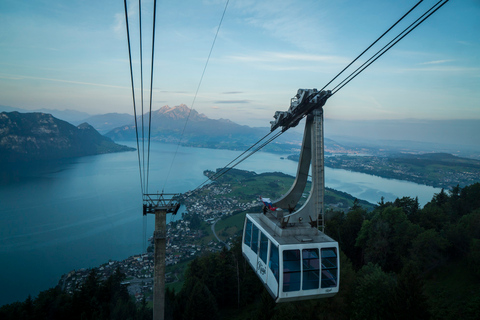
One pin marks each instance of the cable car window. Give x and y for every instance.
(311, 269)
(263, 247)
(248, 233)
(255, 239)
(291, 270)
(273, 264)
(329, 268)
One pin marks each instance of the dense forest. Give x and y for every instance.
(96, 299)
(397, 262)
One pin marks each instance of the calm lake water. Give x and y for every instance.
(80, 213)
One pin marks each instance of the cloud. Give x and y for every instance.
(173, 92)
(289, 21)
(231, 101)
(465, 43)
(232, 92)
(435, 68)
(119, 25)
(436, 62)
(21, 77)
(288, 57)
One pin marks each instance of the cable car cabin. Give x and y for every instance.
(291, 266)
(284, 246)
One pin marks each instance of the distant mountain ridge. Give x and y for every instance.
(69, 115)
(379, 137)
(168, 125)
(104, 123)
(39, 136)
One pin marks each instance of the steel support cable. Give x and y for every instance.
(412, 27)
(246, 157)
(226, 166)
(133, 94)
(196, 92)
(383, 48)
(145, 220)
(141, 90)
(409, 11)
(225, 169)
(151, 89)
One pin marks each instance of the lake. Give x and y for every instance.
(80, 213)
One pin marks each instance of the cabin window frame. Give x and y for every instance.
(274, 261)
(311, 268)
(255, 238)
(263, 252)
(292, 270)
(329, 268)
(248, 233)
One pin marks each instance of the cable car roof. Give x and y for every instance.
(288, 239)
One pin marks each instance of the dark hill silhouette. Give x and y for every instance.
(39, 136)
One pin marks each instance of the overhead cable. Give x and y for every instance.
(372, 59)
(373, 43)
(133, 94)
(141, 90)
(226, 169)
(196, 92)
(389, 45)
(151, 90)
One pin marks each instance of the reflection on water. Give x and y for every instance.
(76, 213)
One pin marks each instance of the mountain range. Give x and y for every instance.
(39, 136)
(186, 126)
(379, 137)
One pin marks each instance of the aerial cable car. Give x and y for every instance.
(286, 246)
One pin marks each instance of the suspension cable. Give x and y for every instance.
(383, 48)
(409, 11)
(196, 93)
(379, 53)
(388, 46)
(133, 94)
(226, 169)
(248, 149)
(151, 89)
(141, 89)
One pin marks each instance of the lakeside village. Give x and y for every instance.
(182, 242)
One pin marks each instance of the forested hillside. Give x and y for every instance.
(397, 262)
(30, 137)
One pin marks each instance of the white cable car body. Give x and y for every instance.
(287, 248)
(291, 267)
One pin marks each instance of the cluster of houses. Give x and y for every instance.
(182, 243)
(138, 270)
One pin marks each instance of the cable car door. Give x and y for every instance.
(262, 257)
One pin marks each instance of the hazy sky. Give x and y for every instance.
(73, 55)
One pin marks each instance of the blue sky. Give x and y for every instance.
(73, 55)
